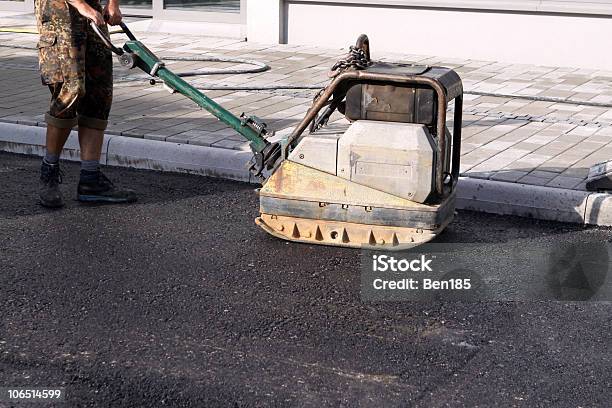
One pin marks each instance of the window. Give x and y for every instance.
(231, 6)
(136, 4)
(545, 6)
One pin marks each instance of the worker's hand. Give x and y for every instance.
(92, 15)
(112, 14)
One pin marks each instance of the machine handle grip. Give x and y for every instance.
(107, 40)
(127, 31)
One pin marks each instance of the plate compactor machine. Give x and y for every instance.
(385, 181)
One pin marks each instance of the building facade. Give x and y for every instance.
(571, 33)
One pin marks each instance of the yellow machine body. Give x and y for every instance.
(362, 185)
(382, 177)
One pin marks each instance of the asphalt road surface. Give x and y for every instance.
(180, 300)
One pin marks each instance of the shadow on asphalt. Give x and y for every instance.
(19, 174)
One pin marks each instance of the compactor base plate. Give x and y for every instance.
(344, 234)
(302, 204)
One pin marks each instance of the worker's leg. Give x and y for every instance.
(61, 72)
(93, 111)
(50, 174)
(94, 186)
(60, 119)
(56, 139)
(90, 141)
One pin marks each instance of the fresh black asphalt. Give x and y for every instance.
(180, 300)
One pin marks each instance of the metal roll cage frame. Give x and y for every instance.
(442, 137)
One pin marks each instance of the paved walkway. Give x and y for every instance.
(509, 137)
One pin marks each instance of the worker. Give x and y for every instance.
(78, 69)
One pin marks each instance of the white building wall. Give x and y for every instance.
(529, 36)
(265, 19)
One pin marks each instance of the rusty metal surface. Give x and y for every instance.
(391, 103)
(363, 43)
(358, 58)
(302, 204)
(390, 217)
(344, 234)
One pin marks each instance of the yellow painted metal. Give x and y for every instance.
(293, 181)
(344, 234)
(298, 182)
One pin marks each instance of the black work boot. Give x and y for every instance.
(95, 187)
(50, 179)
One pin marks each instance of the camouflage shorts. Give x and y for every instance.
(76, 66)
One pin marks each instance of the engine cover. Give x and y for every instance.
(409, 104)
(397, 158)
(393, 157)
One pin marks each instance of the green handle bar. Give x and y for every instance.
(136, 54)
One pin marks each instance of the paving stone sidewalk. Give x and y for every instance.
(510, 138)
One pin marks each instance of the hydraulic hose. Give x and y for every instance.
(541, 99)
(258, 65)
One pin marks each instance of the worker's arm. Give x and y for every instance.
(87, 11)
(112, 14)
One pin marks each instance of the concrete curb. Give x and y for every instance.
(17, 138)
(183, 158)
(136, 153)
(544, 203)
(495, 197)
